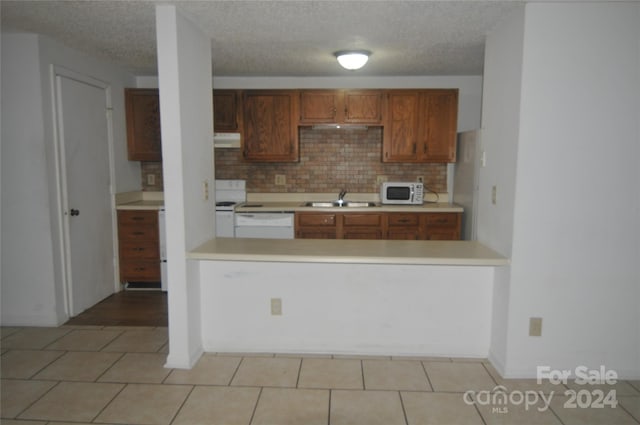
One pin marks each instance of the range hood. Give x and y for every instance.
(226, 140)
(339, 127)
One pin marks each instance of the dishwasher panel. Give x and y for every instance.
(264, 225)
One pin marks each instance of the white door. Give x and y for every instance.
(83, 122)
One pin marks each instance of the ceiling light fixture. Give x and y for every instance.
(352, 59)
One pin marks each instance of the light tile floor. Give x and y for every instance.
(116, 375)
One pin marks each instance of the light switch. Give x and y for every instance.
(535, 326)
(205, 190)
(276, 306)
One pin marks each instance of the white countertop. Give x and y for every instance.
(298, 206)
(140, 200)
(460, 253)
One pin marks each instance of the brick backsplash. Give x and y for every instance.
(329, 160)
(154, 168)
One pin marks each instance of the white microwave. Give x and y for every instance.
(410, 193)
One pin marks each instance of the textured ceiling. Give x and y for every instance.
(279, 38)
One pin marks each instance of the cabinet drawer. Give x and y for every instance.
(316, 219)
(139, 249)
(352, 219)
(316, 233)
(137, 217)
(404, 219)
(138, 233)
(362, 233)
(442, 219)
(140, 271)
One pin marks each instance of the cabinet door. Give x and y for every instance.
(404, 226)
(143, 124)
(316, 225)
(315, 233)
(363, 107)
(225, 111)
(438, 125)
(270, 126)
(362, 233)
(399, 142)
(319, 106)
(442, 226)
(362, 226)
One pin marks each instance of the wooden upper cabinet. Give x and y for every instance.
(226, 111)
(341, 106)
(363, 106)
(270, 125)
(319, 106)
(420, 126)
(400, 136)
(438, 125)
(143, 124)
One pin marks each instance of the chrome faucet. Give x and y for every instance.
(341, 196)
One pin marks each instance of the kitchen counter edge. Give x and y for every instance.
(139, 200)
(275, 207)
(451, 253)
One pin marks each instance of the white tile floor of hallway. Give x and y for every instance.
(116, 375)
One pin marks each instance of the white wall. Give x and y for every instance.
(28, 290)
(346, 308)
(575, 256)
(469, 95)
(184, 64)
(499, 141)
(31, 276)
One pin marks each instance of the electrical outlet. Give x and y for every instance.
(381, 179)
(535, 326)
(281, 179)
(420, 179)
(494, 191)
(151, 179)
(276, 306)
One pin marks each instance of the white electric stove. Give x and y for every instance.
(228, 194)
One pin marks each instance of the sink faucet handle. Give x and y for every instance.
(342, 194)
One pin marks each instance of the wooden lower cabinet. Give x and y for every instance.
(138, 246)
(380, 225)
(442, 226)
(316, 225)
(363, 226)
(404, 226)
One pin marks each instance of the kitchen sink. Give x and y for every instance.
(345, 204)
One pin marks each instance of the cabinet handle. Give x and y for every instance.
(137, 233)
(424, 149)
(414, 148)
(404, 220)
(137, 218)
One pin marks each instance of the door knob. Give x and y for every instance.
(74, 212)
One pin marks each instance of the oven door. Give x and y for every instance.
(225, 224)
